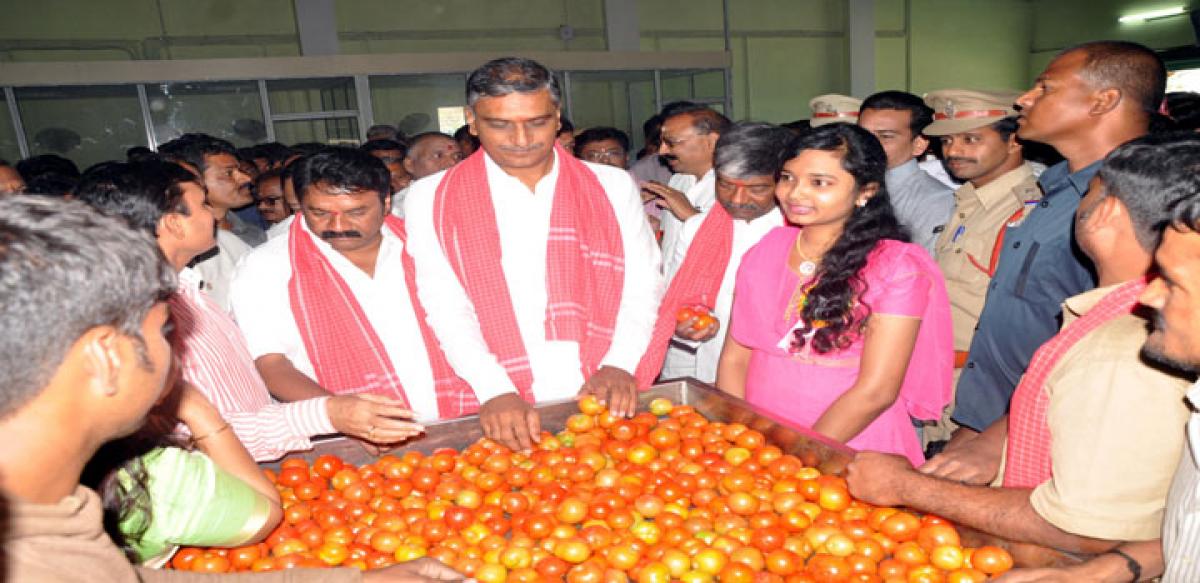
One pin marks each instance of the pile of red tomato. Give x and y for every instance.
(665, 496)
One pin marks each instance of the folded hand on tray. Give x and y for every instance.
(512, 421)
(975, 462)
(875, 478)
(372, 418)
(614, 388)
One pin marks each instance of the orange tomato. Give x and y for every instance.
(991, 560)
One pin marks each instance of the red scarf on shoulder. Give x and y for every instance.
(346, 353)
(1028, 462)
(585, 263)
(697, 282)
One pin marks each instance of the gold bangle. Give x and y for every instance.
(196, 440)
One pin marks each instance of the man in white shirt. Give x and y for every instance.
(539, 272)
(689, 136)
(326, 307)
(215, 160)
(746, 161)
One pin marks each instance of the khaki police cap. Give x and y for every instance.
(833, 108)
(961, 110)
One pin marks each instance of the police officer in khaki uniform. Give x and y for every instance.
(833, 108)
(980, 147)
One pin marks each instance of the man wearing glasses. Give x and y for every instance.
(603, 145)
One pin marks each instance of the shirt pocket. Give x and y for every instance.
(1026, 268)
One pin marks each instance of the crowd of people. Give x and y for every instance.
(985, 293)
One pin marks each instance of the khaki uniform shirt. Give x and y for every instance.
(1117, 426)
(979, 215)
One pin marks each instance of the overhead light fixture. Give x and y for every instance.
(1152, 15)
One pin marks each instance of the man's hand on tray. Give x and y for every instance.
(512, 421)
(876, 478)
(975, 462)
(615, 389)
(372, 418)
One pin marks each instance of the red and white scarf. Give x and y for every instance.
(1028, 460)
(697, 281)
(585, 263)
(345, 351)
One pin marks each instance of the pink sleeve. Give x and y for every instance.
(277, 429)
(898, 283)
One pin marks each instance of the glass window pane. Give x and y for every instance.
(86, 124)
(9, 149)
(312, 95)
(334, 132)
(411, 102)
(709, 85)
(621, 99)
(227, 110)
(699, 86)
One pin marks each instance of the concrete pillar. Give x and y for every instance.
(621, 25)
(862, 47)
(317, 22)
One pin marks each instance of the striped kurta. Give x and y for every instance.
(214, 358)
(1181, 525)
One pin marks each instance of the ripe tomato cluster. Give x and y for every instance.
(665, 496)
(703, 316)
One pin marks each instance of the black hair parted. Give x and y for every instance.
(834, 298)
(348, 169)
(139, 193)
(921, 114)
(194, 149)
(599, 134)
(1154, 176)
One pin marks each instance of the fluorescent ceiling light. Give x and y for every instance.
(1152, 14)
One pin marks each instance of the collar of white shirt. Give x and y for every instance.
(498, 177)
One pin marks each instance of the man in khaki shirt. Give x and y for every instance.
(979, 142)
(1113, 427)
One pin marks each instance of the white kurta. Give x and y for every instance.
(701, 193)
(264, 312)
(523, 220)
(703, 363)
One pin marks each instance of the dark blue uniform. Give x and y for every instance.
(1040, 266)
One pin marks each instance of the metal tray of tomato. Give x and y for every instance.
(812, 448)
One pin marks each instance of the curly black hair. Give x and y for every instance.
(832, 313)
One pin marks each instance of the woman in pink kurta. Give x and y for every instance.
(878, 351)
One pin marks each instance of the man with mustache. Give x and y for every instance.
(689, 137)
(978, 132)
(329, 307)
(711, 245)
(215, 161)
(539, 271)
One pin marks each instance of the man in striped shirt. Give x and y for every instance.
(168, 202)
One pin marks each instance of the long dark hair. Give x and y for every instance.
(832, 312)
